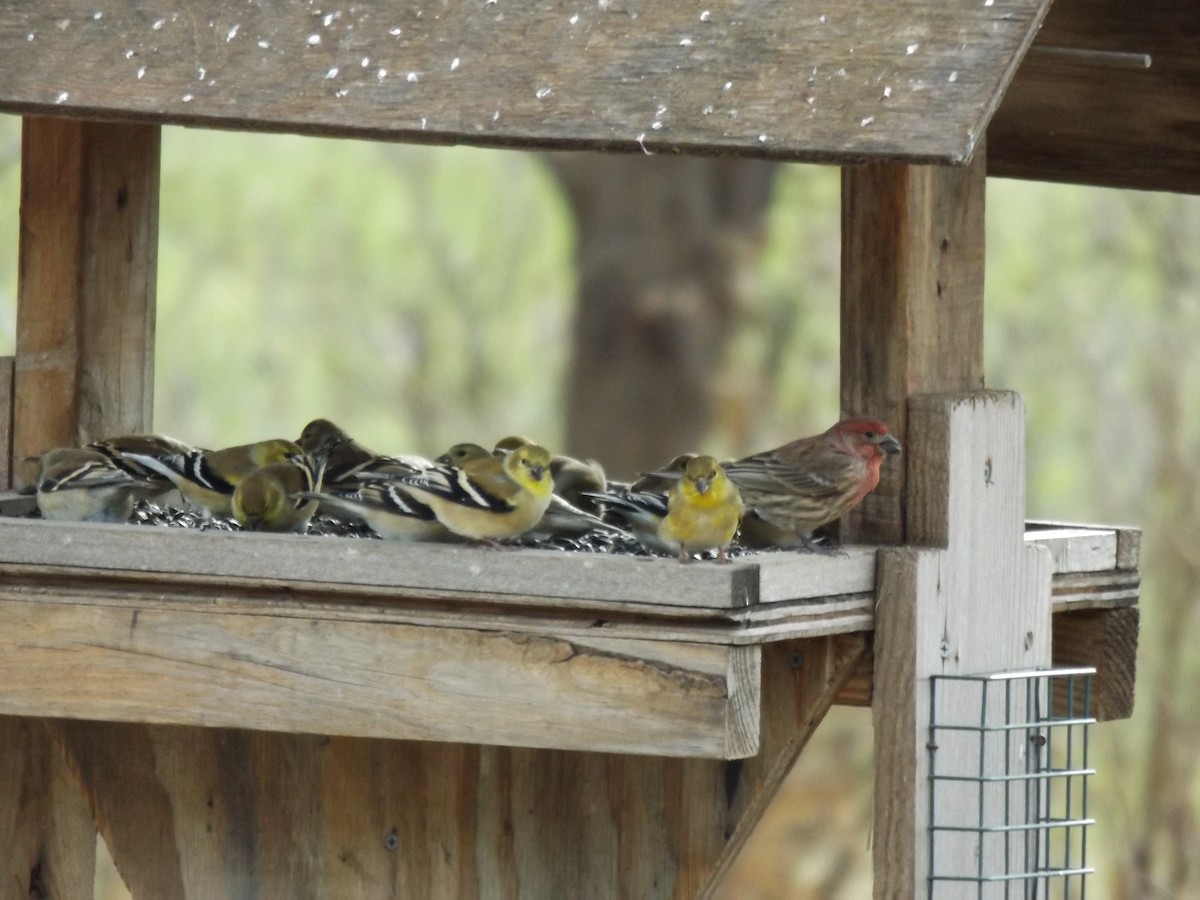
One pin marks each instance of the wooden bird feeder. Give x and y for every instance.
(265, 716)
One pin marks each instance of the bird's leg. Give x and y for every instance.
(684, 556)
(824, 549)
(723, 555)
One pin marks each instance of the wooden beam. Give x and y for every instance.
(369, 679)
(1106, 97)
(6, 422)
(300, 816)
(912, 305)
(85, 295)
(789, 79)
(980, 605)
(47, 839)
(1105, 639)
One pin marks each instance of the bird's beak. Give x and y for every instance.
(703, 484)
(889, 444)
(537, 472)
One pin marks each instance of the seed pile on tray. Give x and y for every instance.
(326, 483)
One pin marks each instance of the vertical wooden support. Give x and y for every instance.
(980, 605)
(85, 295)
(912, 304)
(47, 839)
(6, 421)
(83, 367)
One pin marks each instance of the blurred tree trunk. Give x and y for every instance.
(660, 243)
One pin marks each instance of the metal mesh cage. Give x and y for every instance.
(1009, 769)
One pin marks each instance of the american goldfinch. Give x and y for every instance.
(488, 498)
(662, 480)
(561, 518)
(574, 479)
(814, 480)
(85, 486)
(127, 450)
(272, 498)
(703, 510)
(349, 469)
(386, 508)
(461, 454)
(642, 511)
(700, 512)
(208, 478)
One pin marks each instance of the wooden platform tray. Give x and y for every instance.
(533, 648)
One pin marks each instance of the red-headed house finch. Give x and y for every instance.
(812, 481)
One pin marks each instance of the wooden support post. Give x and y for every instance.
(83, 367)
(47, 839)
(979, 605)
(912, 305)
(6, 421)
(85, 296)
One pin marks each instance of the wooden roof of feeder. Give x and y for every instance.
(910, 80)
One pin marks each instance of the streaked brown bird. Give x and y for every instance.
(814, 480)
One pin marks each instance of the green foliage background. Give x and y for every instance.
(423, 296)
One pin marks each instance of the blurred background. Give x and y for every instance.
(629, 308)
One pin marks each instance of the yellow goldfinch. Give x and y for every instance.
(273, 498)
(701, 511)
(704, 510)
(561, 518)
(85, 486)
(487, 498)
(208, 478)
(386, 508)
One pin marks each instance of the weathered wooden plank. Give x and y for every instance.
(442, 568)
(1101, 116)
(792, 80)
(47, 839)
(247, 813)
(1077, 549)
(1088, 590)
(85, 296)
(912, 305)
(378, 680)
(1106, 640)
(981, 605)
(6, 421)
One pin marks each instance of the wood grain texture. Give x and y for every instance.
(6, 421)
(763, 77)
(912, 306)
(47, 839)
(1078, 120)
(199, 813)
(268, 570)
(85, 294)
(980, 605)
(800, 681)
(376, 680)
(1107, 640)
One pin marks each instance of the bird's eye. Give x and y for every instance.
(869, 435)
